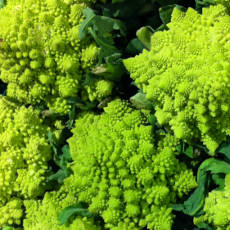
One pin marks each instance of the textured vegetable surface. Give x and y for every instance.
(122, 174)
(42, 57)
(24, 156)
(44, 214)
(93, 137)
(186, 75)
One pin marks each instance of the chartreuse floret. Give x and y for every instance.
(43, 214)
(186, 75)
(24, 153)
(42, 57)
(12, 212)
(216, 208)
(122, 174)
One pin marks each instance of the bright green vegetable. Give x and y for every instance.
(43, 214)
(186, 75)
(24, 156)
(121, 171)
(42, 57)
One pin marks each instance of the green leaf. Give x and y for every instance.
(2, 3)
(59, 176)
(73, 211)
(102, 29)
(88, 105)
(110, 72)
(144, 34)
(115, 58)
(195, 202)
(152, 120)
(72, 116)
(219, 179)
(65, 156)
(134, 47)
(203, 3)
(106, 44)
(89, 17)
(179, 148)
(113, 69)
(104, 102)
(139, 101)
(214, 166)
(165, 13)
(204, 226)
(225, 149)
(189, 152)
(66, 152)
(51, 141)
(62, 161)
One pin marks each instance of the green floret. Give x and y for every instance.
(186, 75)
(119, 171)
(41, 56)
(43, 214)
(12, 212)
(216, 208)
(24, 156)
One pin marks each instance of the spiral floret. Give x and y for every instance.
(186, 75)
(24, 156)
(121, 173)
(41, 56)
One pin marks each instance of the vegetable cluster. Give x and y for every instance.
(115, 114)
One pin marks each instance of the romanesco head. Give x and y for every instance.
(43, 214)
(121, 173)
(24, 153)
(186, 75)
(41, 56)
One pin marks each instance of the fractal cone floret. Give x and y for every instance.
(122, 173)
(114, 114)
(42, 57)
(186, 75)
(24, 156)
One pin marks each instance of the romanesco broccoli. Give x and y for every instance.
(24, 156)
(42, 57)
(41, 215)
(186, 75)
(122, 174)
